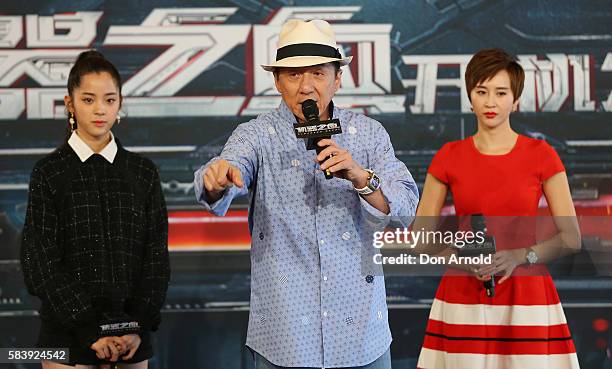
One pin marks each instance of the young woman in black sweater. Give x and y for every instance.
(94, 244)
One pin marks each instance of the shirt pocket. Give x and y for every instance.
(293, 173)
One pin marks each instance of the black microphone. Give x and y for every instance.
(310, 111)
(311, 114)
(314, 130)
(113, 305)
(479, 225)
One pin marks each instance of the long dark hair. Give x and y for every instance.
(90, 61)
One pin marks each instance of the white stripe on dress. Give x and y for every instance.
(433, 359)
(482, 314)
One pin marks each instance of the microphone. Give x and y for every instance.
(479, 225)
(487, 247)
(310, 111)
(314, 130)
(112, 305)
(311, 114)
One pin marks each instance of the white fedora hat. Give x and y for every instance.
(302, 44)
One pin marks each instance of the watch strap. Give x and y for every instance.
(368, 187)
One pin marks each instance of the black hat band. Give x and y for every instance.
(307, 50)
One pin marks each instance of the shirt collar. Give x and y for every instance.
(84, 152)
(286, 113)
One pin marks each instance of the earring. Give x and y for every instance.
(72, 122)
(118, 118)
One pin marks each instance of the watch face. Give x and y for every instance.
(532, 257)
(374, 182)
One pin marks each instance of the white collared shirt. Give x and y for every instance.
(84, 151)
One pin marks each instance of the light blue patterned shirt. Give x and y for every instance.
(312, 305)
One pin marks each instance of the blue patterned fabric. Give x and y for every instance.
(383, 362)
(312, 305)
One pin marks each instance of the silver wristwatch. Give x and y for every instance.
(373, 184)
(532, 257)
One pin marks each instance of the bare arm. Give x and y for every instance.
(428, 212)
(565, 242)
(434, 195)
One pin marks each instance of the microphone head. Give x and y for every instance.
(478, 223)
(310, 110)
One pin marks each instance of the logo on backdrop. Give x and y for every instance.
(44, 47)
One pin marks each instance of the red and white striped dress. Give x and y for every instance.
(523, 326)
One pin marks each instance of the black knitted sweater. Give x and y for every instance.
(94, 246)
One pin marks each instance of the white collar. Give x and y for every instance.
(84, 151)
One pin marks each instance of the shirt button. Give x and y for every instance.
(346, 236)
(321, 242)
(325, 313)
(324, 277)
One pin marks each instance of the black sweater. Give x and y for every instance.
(94, 244)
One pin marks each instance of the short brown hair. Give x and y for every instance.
(486, 63)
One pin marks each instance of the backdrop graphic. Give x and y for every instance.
(191, 74)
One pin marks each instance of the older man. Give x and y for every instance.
(312, 302)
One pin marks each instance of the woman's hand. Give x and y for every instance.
(481, 277)
(476, 270)
(109, 348)
(132, 342)
(503, 262)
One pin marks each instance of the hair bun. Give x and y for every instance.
(93, 53)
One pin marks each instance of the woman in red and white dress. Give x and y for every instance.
(497, 172)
